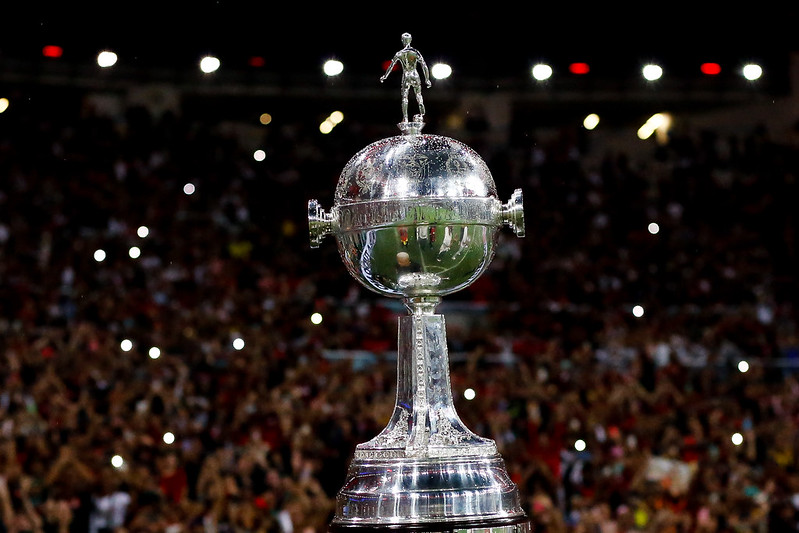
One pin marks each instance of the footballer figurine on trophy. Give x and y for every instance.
(408, 57)
(417, 217)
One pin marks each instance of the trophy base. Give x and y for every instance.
(452, 494)
(503, 525)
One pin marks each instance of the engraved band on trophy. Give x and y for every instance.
(417, 217)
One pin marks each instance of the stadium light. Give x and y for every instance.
(333, 67)
(210, 64)
(441, 71)
(652, 72)
(710, 69)
(542, 72)
(106, 59)
(579, 68)
(752, 71)
(53, 51)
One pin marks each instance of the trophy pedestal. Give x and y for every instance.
(478, 526)
(426, 471)
(430, 495)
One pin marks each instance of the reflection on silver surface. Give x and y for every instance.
(423, 204)
(417, 217)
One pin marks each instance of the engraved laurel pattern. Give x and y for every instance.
(446, 434)
(365, 177)
(397, 437)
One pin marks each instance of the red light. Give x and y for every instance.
(257, 61)
(386, 63)
(579, 68)
(52, 51)
(711, 69)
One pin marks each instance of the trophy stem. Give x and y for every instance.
(422, 305)
(426, 467)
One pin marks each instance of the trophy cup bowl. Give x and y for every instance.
(417, 217)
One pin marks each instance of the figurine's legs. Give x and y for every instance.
(419, 99)
(405, 105)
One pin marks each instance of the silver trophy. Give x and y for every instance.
(417, 217)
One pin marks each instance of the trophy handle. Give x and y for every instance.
(320, 223)
(513, 213)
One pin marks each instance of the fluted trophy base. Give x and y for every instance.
(426, 471)
(429, 495)
(480, 526)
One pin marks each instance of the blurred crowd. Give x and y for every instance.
(608, 421)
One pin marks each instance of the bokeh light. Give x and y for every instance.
(238, 343)
(134, 252)
(743, 367)
(653, 228)
(99, 255)
(333, 67)
(737, 439)
(117, 461)
(169, 437)
(126, 345)
(189, 189)
(469, 394)
(154, 352)
(336, 117)
(657, 123)
(638, 311)
(259, 155)
(652, 72)
(752, 71)
(210, 64)
(579, 445)
(579, 68)
(316, 318)
(4, 103)
(106, 59)
(542, 72)
(591, 121)
(441, 71)
(52, 50)
(143, 231)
